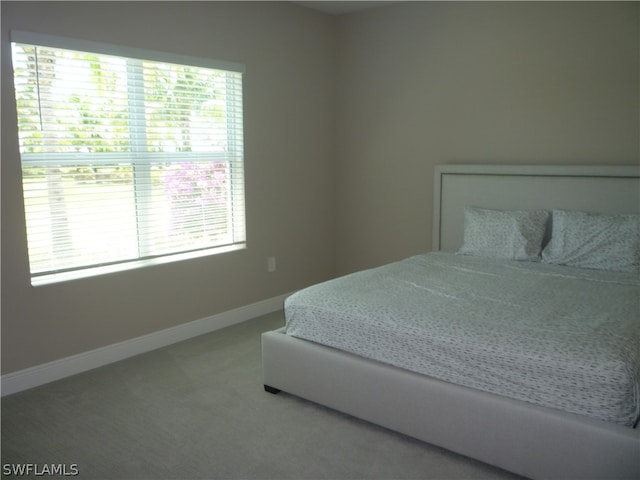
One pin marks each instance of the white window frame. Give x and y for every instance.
(135, 56)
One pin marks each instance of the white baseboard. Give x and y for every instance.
(48, 372)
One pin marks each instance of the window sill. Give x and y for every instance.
(132, 265)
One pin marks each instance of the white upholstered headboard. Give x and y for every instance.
(608, 189)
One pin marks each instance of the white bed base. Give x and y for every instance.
(522, 438)
(529, 440)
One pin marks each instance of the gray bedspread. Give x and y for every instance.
(561, 337)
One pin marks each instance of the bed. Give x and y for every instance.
(518, 418)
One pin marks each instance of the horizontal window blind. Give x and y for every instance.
(125, 159)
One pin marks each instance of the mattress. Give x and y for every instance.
(561, 337)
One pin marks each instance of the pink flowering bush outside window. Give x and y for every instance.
(198, 195)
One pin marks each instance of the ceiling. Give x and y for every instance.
(336, 7)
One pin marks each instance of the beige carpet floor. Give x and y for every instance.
(197, 410)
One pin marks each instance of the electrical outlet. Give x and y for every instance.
(271, 264)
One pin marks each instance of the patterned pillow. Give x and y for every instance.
(507, 234)
(594, 240)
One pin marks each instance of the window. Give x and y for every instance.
(129, 157)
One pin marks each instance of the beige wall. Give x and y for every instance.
(423, 83)
(344, 120)
(288, 52)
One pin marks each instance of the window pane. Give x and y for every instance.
(185, 108)
(190, 207)
(70, 102)
(79, 215)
